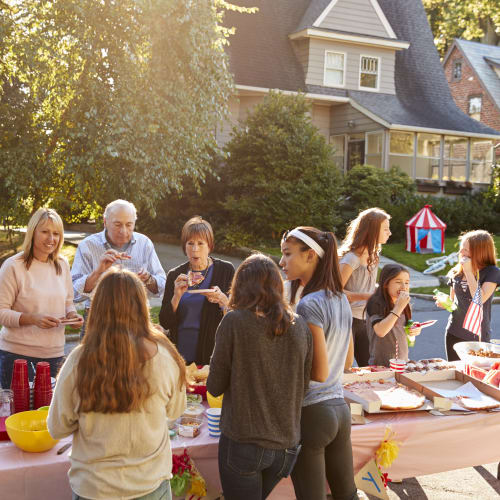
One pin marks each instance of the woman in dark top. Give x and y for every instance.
(192, 318)
(262, 364)
(476, 267)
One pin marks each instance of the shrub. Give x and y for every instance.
(280, 172)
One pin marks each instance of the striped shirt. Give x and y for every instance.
(91, 249)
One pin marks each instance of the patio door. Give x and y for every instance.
(355, 153)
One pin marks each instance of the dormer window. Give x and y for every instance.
(369, 73)
(334, 69)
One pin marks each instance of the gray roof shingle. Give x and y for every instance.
(262, 55)
(481, 57)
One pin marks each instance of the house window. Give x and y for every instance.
(455, 159)
(481, 160)
(338, 145)
(475, 104)
(334, 69)
(401, 151)
(374, 144)
(368, 74)
(428, 154)
(457, 70)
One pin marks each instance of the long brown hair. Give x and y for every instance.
(258, 287)
(110, 375)
(363, 232)
(40, 217)
(381, 302)
(481, 248)
(326, 276)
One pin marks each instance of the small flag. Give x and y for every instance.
(474, 316)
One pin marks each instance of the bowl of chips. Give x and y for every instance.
(197, 377)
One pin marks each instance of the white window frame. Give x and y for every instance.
(344, 156)
(379, 73)
(344, 54)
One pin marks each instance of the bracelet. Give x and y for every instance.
(397, 315)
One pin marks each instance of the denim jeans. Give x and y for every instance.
(163, 492)
(7, 364)
(250, 472)
(326, 453)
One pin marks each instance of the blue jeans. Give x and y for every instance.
(163, 492)
(7, 364)
(250, 472)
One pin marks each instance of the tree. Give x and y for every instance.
(279, 171)
(109, 99)
(469, 19)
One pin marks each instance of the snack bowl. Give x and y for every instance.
(194, 398)
(28, 431)
(214, 401)
(201, 390)
(193, 410)
(189, 426)
(463, 348)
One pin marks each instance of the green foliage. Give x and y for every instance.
(468, 19)
(279, 171)
(102, 100)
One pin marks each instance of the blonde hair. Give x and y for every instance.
(363, 232)
(41, 216)
(481, 248)
(111, 375)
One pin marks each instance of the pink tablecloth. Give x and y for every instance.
(428, 444)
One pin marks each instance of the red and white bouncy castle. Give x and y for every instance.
(425, 232)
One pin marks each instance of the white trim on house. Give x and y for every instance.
(383, 19)
(379, 68)
(317, 97)
(343, 37)
(376, 8)
(408, 128)
(344, 55)
(322, 16)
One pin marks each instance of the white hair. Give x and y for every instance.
(116, 205)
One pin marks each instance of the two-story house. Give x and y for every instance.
(473, 73)
(374, 80)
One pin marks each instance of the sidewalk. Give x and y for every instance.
(417, 279)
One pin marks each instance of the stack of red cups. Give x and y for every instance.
(20, 386)
(43, 386)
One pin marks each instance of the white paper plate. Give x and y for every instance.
(201, 290)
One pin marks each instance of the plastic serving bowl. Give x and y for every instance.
(28, 431)
(214, 402)
(463, 348)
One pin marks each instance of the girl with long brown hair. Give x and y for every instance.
(359, 258)
(114, 394)
(476, 268)
(310, 260)
(262, 365)
(36, 298)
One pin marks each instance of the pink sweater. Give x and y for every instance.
(37, 290)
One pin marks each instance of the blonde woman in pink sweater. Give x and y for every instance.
(36, 294)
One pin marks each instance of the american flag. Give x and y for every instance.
(474, 316)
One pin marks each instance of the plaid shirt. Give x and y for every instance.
(91, 249)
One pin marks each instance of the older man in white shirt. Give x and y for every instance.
(118, 245)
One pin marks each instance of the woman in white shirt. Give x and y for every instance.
(114, 394)
(36, 294)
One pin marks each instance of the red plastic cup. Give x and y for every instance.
(20, 386)
(43, 386)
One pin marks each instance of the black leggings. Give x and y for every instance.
(450, 341)
(361, 343)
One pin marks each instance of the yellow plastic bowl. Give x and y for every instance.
(214, 402)
(28, 431)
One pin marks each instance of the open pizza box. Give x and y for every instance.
(436, 384)
(371, 406)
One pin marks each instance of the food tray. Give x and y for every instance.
(371, 406)
(462, 349)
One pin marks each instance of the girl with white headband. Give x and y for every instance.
(310, 260)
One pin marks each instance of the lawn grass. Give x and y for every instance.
(397, 252)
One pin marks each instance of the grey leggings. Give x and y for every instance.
(326, 453)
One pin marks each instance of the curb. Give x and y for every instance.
(72, 337)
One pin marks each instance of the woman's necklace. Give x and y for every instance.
(203, 273)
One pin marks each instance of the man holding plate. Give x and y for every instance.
(117, 245)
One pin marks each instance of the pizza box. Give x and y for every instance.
(429, 384)
(368, 405)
